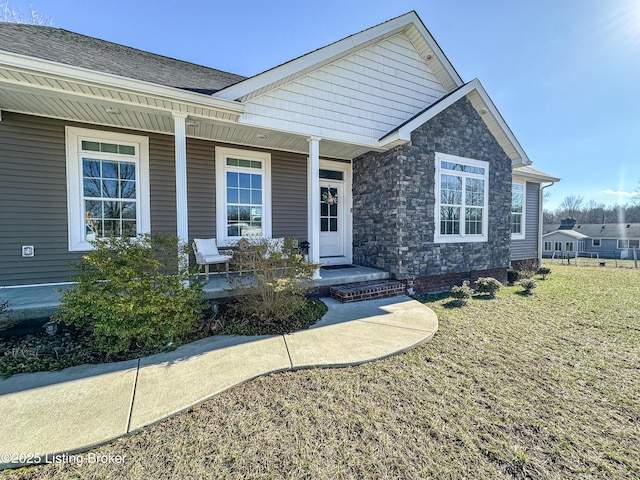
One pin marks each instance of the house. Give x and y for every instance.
(600, 240)
(372, 148)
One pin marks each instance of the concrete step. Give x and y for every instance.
(355, 292)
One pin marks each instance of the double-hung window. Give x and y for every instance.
(517, 210)
(243, 194)
(107, 186)
(462, 187)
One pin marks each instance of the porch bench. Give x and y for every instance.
(207, 253)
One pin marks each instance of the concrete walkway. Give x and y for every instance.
(81, 407)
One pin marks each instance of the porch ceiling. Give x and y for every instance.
(149, 108)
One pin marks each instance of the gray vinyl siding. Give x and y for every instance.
(528, 247)
(201, 194)
(33, 201)
(289, 195)
(33, 195)
(162, 183)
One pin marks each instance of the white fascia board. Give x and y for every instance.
(532, 177)
(38, 66)
(340, 47)
(448, 66)
(403, 133)
(524, 159)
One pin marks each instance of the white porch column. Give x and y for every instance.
(313, 214)
(180, 132)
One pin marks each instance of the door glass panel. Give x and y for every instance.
(328, 209)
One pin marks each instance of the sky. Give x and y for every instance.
(565, 74)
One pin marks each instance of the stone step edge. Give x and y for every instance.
(367, 290)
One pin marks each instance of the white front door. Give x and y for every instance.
(332, 221)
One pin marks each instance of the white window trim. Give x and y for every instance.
(550, 244)
(75, 205)
(523, 224)
(593, 244)
(221, 191)
(555, 244)
(628, 240)
(462, 238)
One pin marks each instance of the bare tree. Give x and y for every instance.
(593, 212)
(9, 14)
(571, 206)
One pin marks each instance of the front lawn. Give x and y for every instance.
(539, 386)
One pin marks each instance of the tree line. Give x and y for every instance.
(574, 206)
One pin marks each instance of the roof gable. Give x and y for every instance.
(409, 23)
(355, 98)
(483, 104)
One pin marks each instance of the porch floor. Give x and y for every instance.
(35, 302)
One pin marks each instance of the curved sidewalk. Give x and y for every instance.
(81, 407)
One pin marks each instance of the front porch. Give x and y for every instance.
(41, 301)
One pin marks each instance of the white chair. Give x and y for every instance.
(207, 253)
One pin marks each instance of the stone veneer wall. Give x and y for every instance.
(394, 201)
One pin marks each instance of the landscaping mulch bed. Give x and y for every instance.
(71, 346)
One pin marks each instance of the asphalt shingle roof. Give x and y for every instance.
(63, 46)
(601, 230)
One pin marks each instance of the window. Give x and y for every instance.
(557, 246)
(517, 210)
(461, 199)
(243, 194)
(568, 246)
(595, 242)
(107, 185)
(628, 243)
(547, 246)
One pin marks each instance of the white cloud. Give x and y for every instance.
(621, 193)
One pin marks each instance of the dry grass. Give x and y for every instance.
(540, 386)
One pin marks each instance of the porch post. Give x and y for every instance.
(182, 220)
(313, 214)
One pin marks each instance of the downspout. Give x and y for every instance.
(541, 221)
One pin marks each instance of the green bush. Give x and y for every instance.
(528, 284)
(133, 291)
(544, 271)
(488, 286)
(280, 277)
(513, 275)
(462, 293)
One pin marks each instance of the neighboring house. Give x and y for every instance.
(98, 138)
(602, 240)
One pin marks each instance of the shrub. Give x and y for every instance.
(133, 290)
(488, 286)
(462, 293)
(528, 267)
(279, 281)
(528, 284)
(513, 276)
(544, 271)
